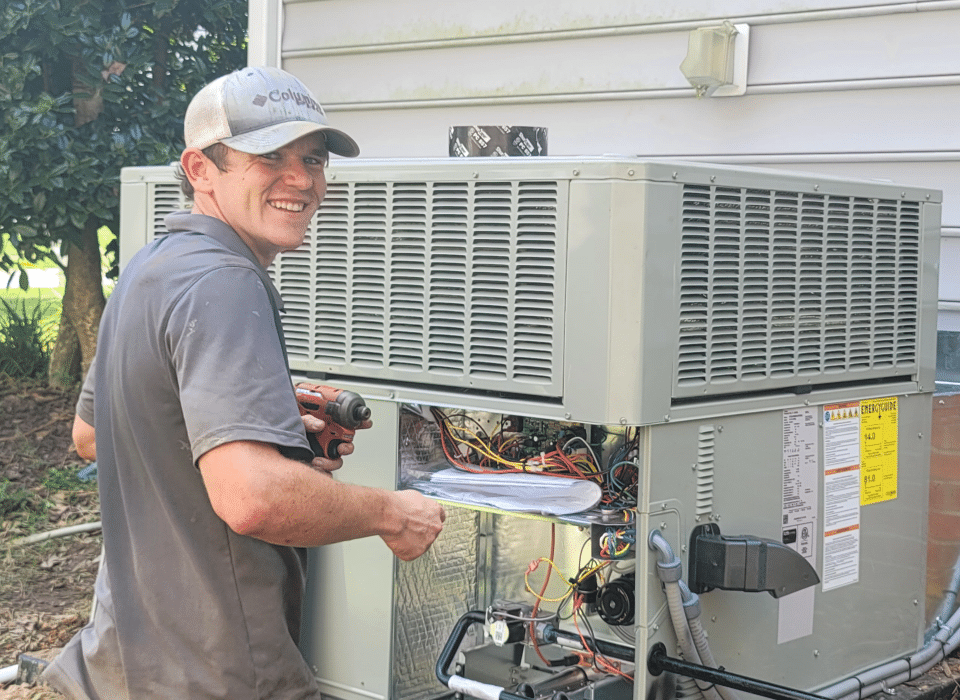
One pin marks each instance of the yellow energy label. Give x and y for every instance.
(878, 450)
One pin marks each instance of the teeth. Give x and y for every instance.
(288, 206)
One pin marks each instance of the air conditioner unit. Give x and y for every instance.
(746, 330)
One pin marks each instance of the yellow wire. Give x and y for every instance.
(526, 581)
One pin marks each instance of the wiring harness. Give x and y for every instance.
(566, 454)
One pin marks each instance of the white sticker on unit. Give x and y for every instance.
(841, 495)
(800, 506)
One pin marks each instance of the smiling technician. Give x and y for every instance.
(208, 488)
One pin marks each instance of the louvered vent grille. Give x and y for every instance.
(706, 453)
(790, 288)
(167, 198)
(430, 282)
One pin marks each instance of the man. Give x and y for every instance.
(208, 488)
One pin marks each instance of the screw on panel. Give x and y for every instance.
(674, 176)
(916, 602)
(663, 526)
(816, 653)
(623, 421)
(630, 172)
(654, 628)
(576, 172)
(816, 188)
(475, 175)
(567, 416)
(713, 178)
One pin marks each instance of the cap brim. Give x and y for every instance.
(271, 138)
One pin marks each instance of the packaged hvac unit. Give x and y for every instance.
(748, 355)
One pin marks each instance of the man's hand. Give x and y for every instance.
(421, 520)
(312, 424)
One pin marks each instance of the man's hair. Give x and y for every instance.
(217, 153)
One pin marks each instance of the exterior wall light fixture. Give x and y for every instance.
(716, 62)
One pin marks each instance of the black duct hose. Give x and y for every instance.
(658, 662)
(453, 643)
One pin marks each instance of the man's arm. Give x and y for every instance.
(259, 493)
(84, 438)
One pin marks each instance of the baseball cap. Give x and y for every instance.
(258, 110)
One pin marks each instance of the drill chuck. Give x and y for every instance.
(349, 410)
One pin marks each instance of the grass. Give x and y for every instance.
(28, 330)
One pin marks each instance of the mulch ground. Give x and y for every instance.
(46, 589)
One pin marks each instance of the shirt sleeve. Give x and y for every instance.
(232, 377)
(85, 407)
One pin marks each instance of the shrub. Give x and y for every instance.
(24, 352)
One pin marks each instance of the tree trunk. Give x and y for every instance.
(83, 303)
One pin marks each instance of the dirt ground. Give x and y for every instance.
(46, 589)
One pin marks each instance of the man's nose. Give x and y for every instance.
(297, 175)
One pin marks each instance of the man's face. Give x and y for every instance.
(270, 199)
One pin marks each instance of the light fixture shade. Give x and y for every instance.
(712, 58)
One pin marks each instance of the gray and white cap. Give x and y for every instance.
(258, 110)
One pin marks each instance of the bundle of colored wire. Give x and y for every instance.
(616, 543)
(474, 451)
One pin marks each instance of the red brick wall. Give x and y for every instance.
(943, 540)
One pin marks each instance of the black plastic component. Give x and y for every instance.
(746, 563)
(658, 662)
(615, 601)
(586, 588)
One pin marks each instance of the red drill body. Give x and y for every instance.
(341, 411)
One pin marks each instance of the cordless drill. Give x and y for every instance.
(341, 411)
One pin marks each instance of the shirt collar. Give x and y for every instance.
(185, 220)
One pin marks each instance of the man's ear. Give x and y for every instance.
(197, 168)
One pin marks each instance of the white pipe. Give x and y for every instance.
(9, 674)
(667, 560)
(61, 532)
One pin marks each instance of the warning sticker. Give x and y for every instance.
(841, 495)
(878, 450)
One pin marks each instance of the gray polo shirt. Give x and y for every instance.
(189, 357)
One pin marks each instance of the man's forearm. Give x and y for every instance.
(261, 494)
